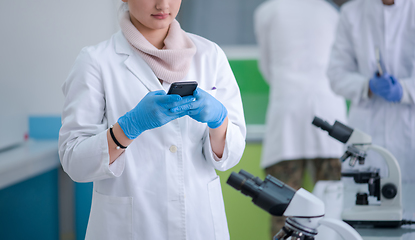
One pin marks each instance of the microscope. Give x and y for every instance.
(304, 211)
(386, 211)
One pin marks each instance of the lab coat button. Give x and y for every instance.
(173, 149)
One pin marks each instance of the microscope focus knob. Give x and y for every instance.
(389, 191)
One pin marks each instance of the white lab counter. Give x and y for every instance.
(403, 233)
(406, 232)
(27, 160)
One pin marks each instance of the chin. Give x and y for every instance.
(160, 26)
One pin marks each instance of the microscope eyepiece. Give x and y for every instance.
(236, 180)
(338, 130)
(257, 180)
(246, 174)
(244, 184)
(318, 122)
(271, 194)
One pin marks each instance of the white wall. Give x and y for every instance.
(39, 42)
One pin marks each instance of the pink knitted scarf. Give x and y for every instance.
(170, 64)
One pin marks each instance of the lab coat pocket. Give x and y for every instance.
(218, 210)
(110, 217)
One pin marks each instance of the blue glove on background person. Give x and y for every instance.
(205, 109)
(386, 86)
(153, 111)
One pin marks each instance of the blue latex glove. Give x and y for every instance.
(386, 86)
(205, 109)
(151, 112)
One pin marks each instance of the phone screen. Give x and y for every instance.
(183, 88)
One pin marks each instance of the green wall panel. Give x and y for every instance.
(246, 221)
(254, 90)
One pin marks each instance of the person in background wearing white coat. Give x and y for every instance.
(295, 38)
(154, 170)
(381, 105)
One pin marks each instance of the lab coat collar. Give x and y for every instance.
(135, 64)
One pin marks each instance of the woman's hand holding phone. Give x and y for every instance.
(154, 110)
(158, 108)
(205, 109)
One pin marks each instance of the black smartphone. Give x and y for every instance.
(183, 88)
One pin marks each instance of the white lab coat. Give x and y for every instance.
(295, 38)
(363, 26)
(164, 186)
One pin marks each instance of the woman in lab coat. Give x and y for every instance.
(164, 184)
(365, 25)
(295, 37)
